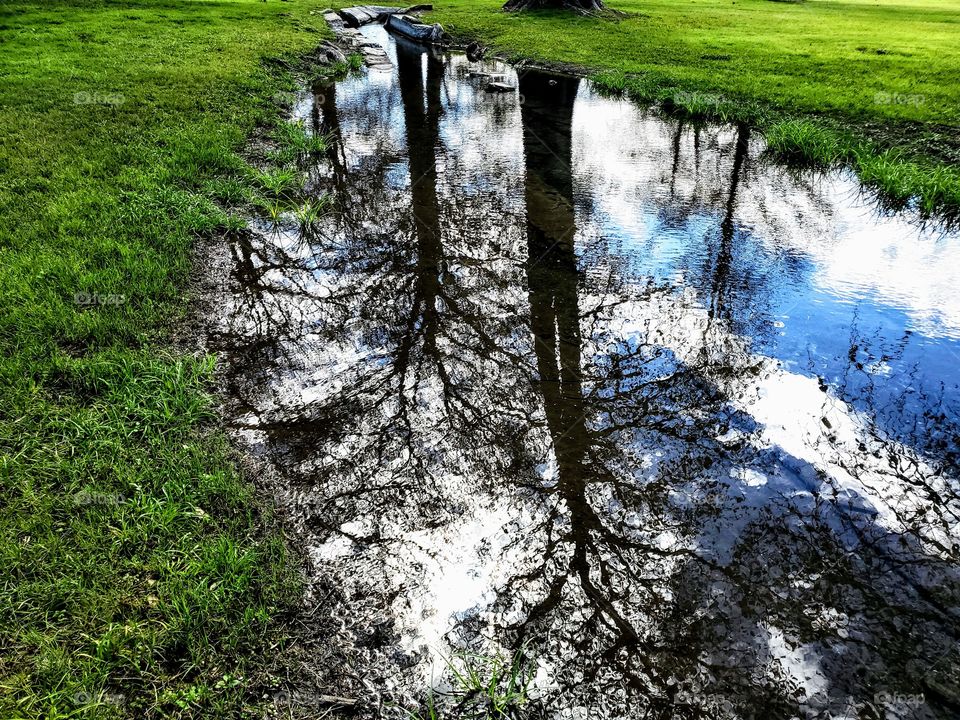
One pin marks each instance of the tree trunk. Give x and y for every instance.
(585, 7)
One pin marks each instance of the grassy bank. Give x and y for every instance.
(140, 576)
(901, 178)
(875, 85)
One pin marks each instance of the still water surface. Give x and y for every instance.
(566, 374)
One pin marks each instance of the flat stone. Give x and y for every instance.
(334, 21)
(357, 16)
(331, 53)
(374, 56)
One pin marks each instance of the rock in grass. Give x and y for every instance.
(330, 54)
(334, 21)
(475, 51)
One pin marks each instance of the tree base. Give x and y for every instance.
(584, 7)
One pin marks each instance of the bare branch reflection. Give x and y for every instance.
(512, 414)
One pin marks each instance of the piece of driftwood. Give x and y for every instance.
(500, 87)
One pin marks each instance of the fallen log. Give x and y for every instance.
(412, 29)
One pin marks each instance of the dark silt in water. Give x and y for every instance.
(563, 374)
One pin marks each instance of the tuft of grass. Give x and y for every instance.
(273, 210)
(932, 188)
(337, 71)
(939, 188)
(894, 179)
(802, 142)
(697, 106)
(296, 144)
(644, 88)
(309, 213)
(486, 687)
(280, 183)
(901, 182)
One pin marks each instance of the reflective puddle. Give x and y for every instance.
(564, 374)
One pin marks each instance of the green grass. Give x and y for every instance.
(898, 181)
(830, 81)
(309, 212)
(141, 576)
(280, 183)
(805, 143)
(821, 56)
(295, 144)
(279, 190)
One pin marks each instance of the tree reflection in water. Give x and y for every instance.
(497, 433)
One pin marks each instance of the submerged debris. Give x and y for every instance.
(492, 76)
(475, 51)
